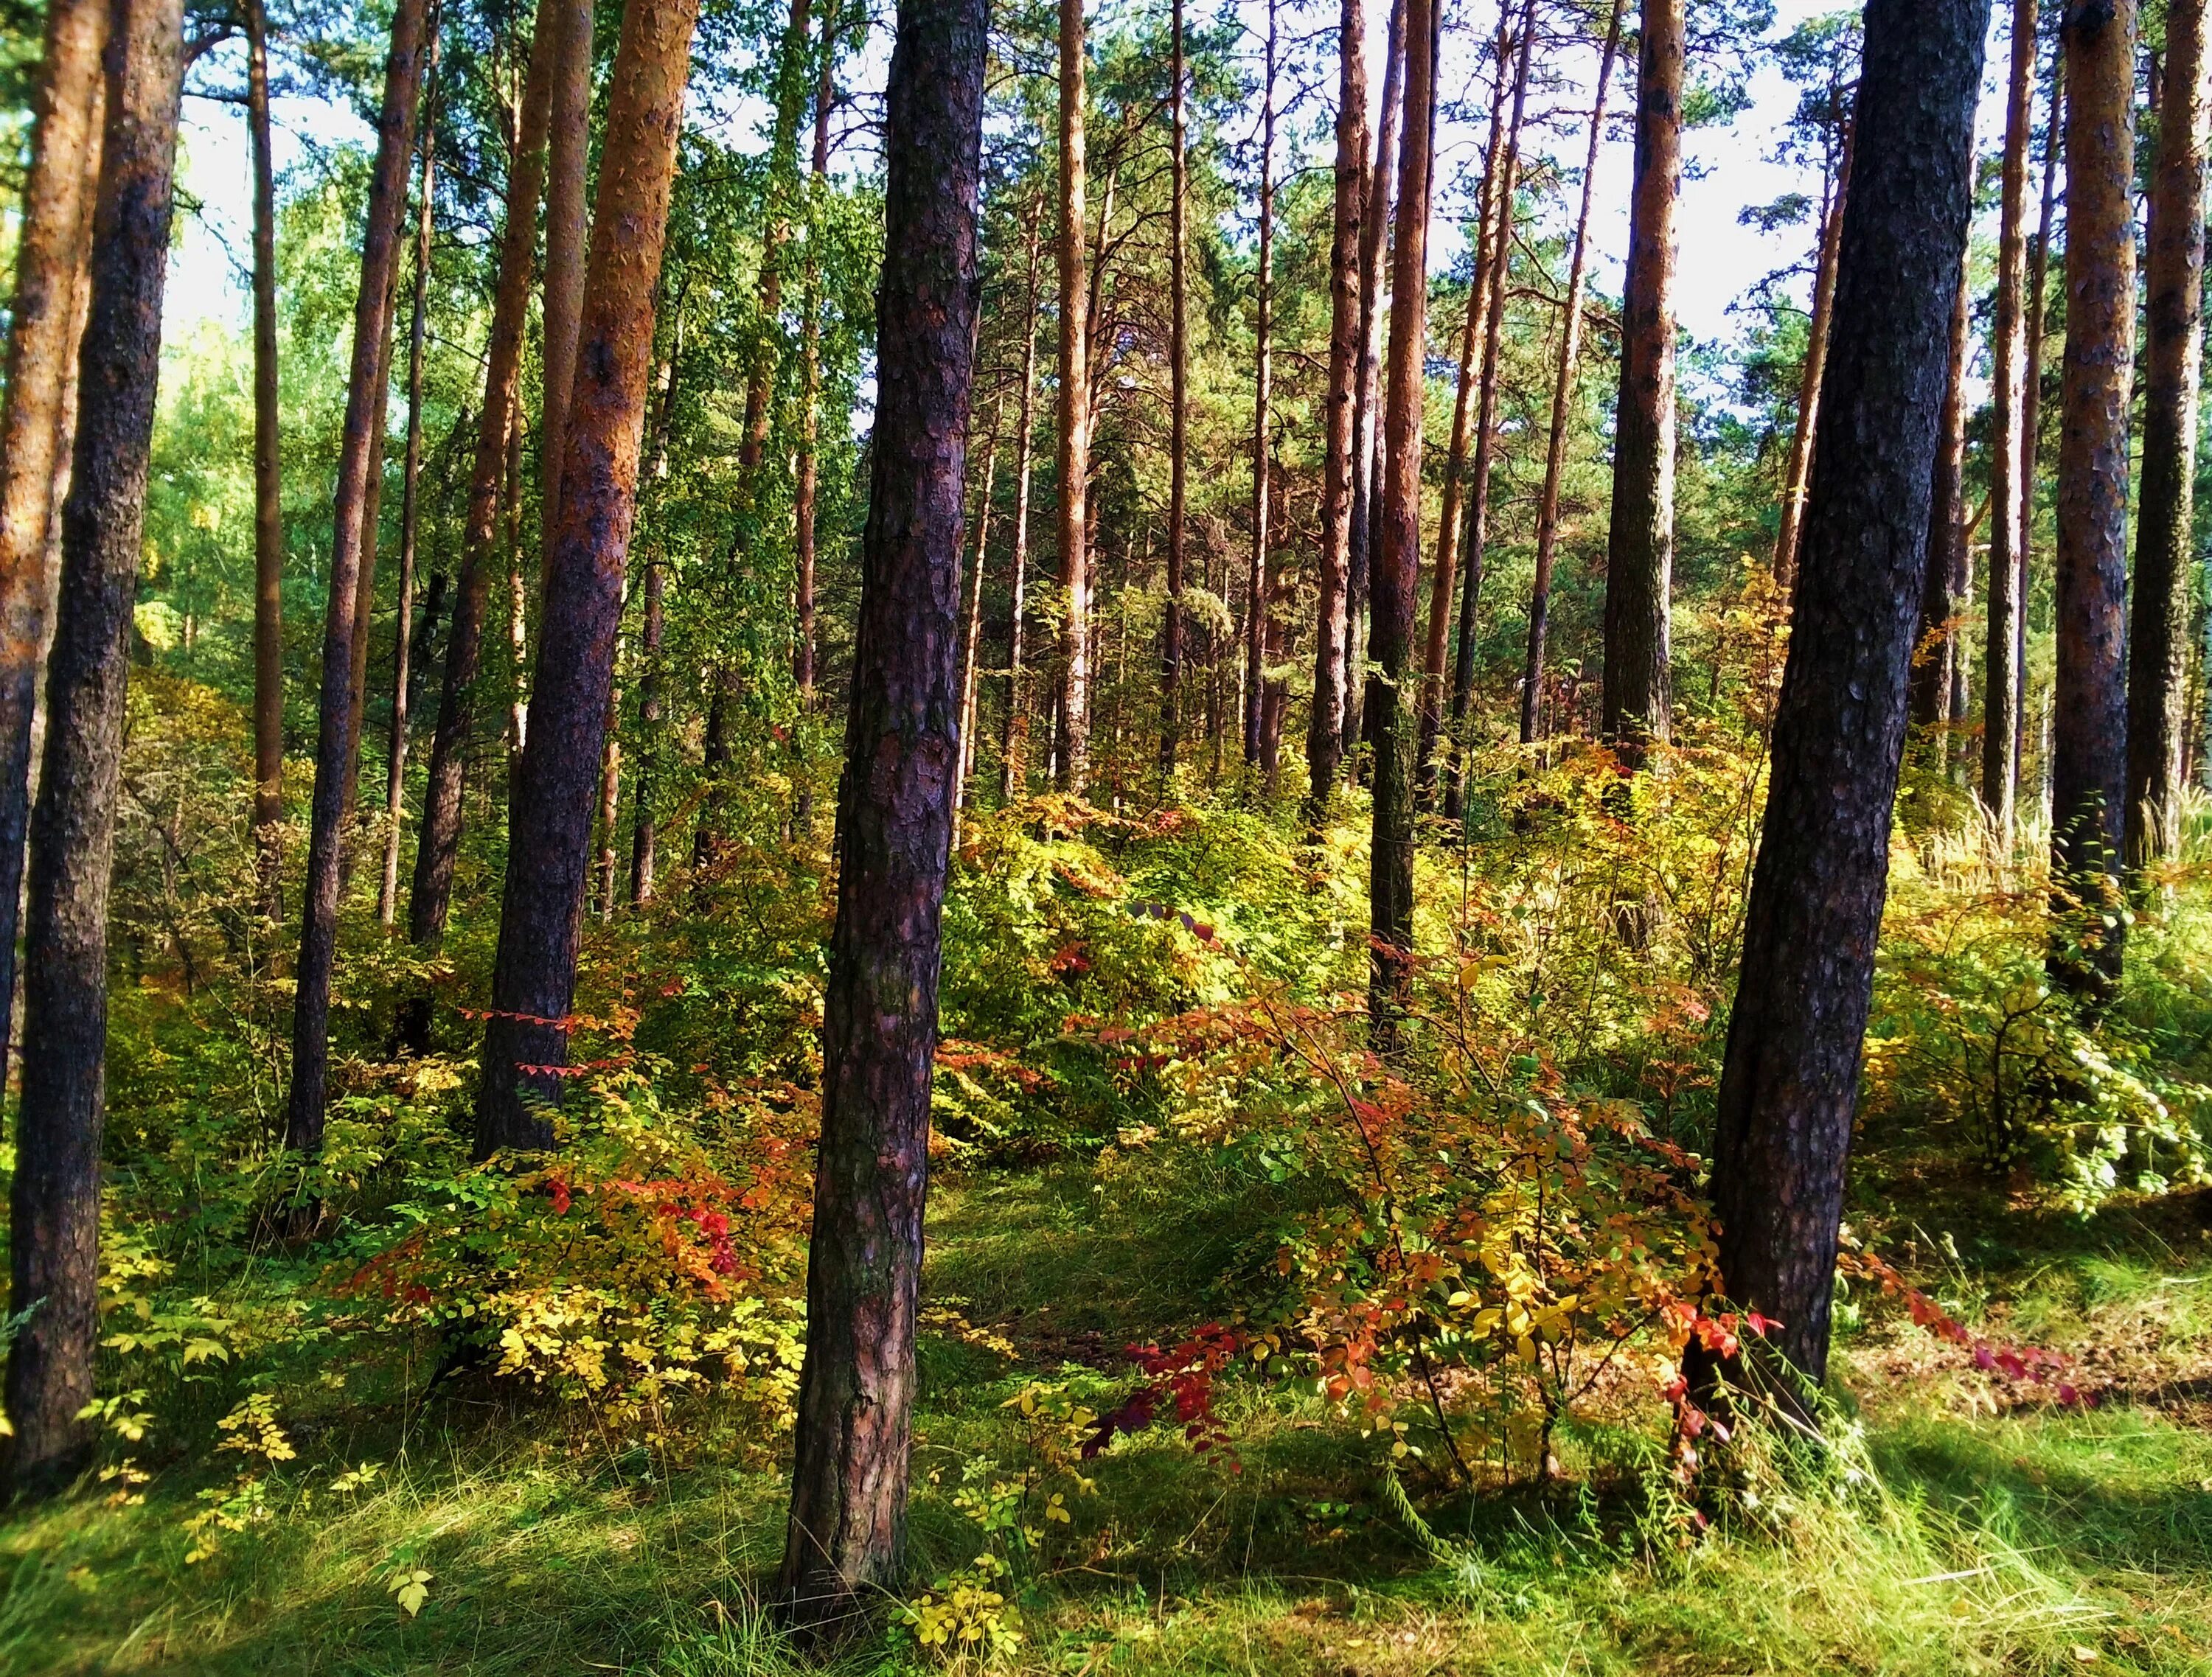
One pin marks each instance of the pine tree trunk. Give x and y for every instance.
(364, 593)
(2089, 730)
(52, 242)
(1791, 1079)
(1263, 390)
(2054, 147)
(971, 636)
(550, 823)
(1392, 726)
(365, 401)
(1071, 700)
(1805, 435)
(1013, 743)
(54, 1198)
(1929, 690)
(645, 833)
(610, 805)
(568, 140)
(268, 478)
(518, 599)
(1563, 397)
(2011, 449)
(1172, 634)
(1334, 609)
(1640, 548)
(2158, 642)
(894, 823)
(809, 426)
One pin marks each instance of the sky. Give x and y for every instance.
(1720, 259)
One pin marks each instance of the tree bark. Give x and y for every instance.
(1012, 779)
(2054, 146)
(1640, 547)
(365, 399)
(518, 599)
(1929, 690)
(645, 831)
(2158, 642)
(1790, 1079)
(810, 420)
(1805, 436)
(1263, 393)
(2088, 771)
(609, 804)
(268, 478)
(54, 1198)
(52, 239)
(364, 593)
(971, 638)
(2011, 448)
(1171, 633)
(568, 136)
(1071, 702)
(1563, 397)
(894, 815)
(1392, 729)
(550, 824)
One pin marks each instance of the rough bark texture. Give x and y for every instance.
(54, 1198)
(1563, 397)
(1334, 609)
(1392, 726)
(1263, 442)
(1071, 702)
(364, 402)
(1790, 1081)
(568, 139)
(2089, 712)
(549, 826)
(894, 823)
(50, 251)
(2158, 641)
(1640, 547)
(2030, 412)
(1928, 691)
(2011, 449)
(268, 474)
(439, 848)
(1804, 437)
(1171, 629)
(1012, 770)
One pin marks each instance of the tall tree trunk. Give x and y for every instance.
(438, 849)
(518, 599)
(410, 509)
(1805, 436)
(1071, 702)
(783, 166)
(894, 823)
(971, 637)
(550, 823)
(609, 804)
(644, 845)
(1493, 241)
(2158, 643)
(1263, 392)
(364, 593)
(365, 401)
(2089, 730)
(52, 242)
(2031, 422)
(810, 424)
(1334, 609)
(1640, 548)
(267, 479)
(567, 141)
(2011, 449)
(54, 1198)
(1563, 397)
(1392, 728)
(1171, 632)
(1790, 1079)
(1013, 743)
(1929, 690)
(1367, 398)
(1486, 442)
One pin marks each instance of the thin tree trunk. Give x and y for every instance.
(1928, 688)
(1805, 437)
(52, 239)
(971, 640)
(609, 804)
(783, 164)
(1563, 397)
(2158, 642)
(894, 822)
(54, 1198)
(1012, 780)
(267, 479)
(518, 599)
(1172, 636)
(365, 401)
(1334, 609)
(1071, 702)
(1640, 548)
(1790, 1081)
(410, 485)
(2011, 449)
(364, 595)
(2089, 733)
(568, 136)
(550, 823)
(644, 849)
(810, 425)
(2054, 145)
(1263, 391)
(1392, 729)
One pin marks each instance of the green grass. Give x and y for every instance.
(1942, 1541)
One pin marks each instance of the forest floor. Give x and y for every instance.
(1950, 1536)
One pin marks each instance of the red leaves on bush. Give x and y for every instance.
(1182, 1378)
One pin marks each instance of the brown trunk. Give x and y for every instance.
(971, 640)
(1805, 437)
(2158, 642)
(1263, 391)
(809, 426)
(411, 486)
(1929, 690)
(893, 822)
(518, 599)
(1334, 609)
(1790, 1081)
(364, 595)
(2011, 449)
(783, 164)
(1392, 727)
(268, 478)
(365, 403)
(550, 823)
(1013, 778)
(1640, 548)
(610, 805)
(1172, 636)
(1071, 700)
(645, 833)
(2089, 729)
(439, 848)
(2054, 146)
(1563, 397)
(54, 1198)
(52, 239)
(567, 141)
